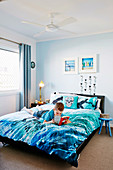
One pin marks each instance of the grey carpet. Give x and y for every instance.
(97, 155)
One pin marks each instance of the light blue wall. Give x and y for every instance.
(50, 57)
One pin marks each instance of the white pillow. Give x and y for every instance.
(98, 103)
(57, 95)
(54, 97)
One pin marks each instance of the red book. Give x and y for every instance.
(63, 120)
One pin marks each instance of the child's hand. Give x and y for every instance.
(52, 121)
(65, 117)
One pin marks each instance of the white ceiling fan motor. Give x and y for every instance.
(51, 28)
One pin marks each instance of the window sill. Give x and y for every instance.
(9, 93)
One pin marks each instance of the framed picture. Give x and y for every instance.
(87, 64)
(71, 66)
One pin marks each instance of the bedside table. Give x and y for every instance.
(107, 125)
(39, 103)
(33, 104)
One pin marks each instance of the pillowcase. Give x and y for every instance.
(98, 104)
(70, 102)
(59, 99)
(54, 97)
(87, 103)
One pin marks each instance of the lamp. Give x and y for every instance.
(41, 84)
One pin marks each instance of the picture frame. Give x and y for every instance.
(71, 66)
(87, 64)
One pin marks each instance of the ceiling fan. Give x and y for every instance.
(51, 27)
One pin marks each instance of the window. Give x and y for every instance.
(9, 70)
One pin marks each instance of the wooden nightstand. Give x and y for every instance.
(33, 104)
(39, 103)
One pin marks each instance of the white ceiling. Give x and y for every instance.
(92, 17)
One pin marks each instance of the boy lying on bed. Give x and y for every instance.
(52, 116)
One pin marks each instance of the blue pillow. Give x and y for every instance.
(85, 103)
(70, 102)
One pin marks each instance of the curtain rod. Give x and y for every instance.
(10, 41)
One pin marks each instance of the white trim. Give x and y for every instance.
(9, 93)
(111, 125)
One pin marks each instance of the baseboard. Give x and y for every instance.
(111, 125)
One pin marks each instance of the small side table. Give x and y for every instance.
(107, 124)
(35, 104)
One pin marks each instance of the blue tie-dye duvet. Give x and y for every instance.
(60, 140)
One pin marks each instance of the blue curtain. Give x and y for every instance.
(25, 75)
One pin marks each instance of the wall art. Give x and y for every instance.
(71, 66)
(87, 64)
(88, 84)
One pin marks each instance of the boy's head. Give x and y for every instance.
(58, 109)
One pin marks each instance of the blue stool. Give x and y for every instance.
(107, 124)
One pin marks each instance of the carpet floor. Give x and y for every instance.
(97, 155)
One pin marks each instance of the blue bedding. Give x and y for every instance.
(53, 139)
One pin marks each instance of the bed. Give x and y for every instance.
(65, 141)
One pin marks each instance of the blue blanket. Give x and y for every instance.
(60, 140)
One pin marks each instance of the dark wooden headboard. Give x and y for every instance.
(88, 95)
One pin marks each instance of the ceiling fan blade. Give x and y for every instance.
(67, 31)
(38, 34)
(33, 23)
(67, 21)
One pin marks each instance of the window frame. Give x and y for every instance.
(11, 91)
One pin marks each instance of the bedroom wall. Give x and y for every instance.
(50, 57)
(9, 101)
